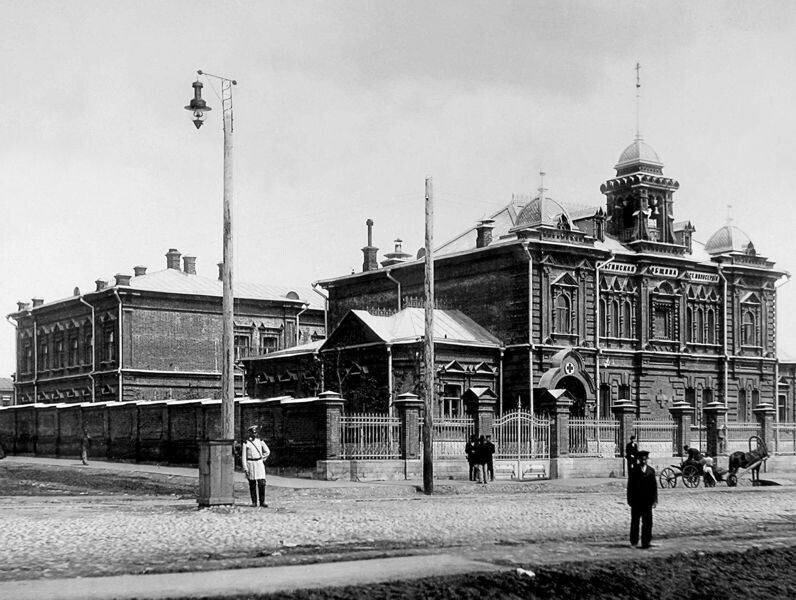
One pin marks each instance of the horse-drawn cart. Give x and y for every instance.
(688, 472)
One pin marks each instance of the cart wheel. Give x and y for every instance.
(668, 478)
(732, 480)
(691, 476)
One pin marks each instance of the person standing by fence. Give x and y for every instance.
(469, 451)
(84, 446)
(631, 454)
(489, 452)
(253, 457)
(642, 497)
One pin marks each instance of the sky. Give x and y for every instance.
(343, 108)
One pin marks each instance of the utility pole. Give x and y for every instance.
(428, 421)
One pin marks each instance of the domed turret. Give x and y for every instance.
(637, 153)
(543, 211)
(729, 239)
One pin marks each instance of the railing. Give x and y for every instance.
(370, 436)
(738, 435)
(451, 435)
(589, 437)
(699, 437)
(656, 436)
(785, 438)
(519, 435)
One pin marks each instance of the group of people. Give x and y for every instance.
(479, 452)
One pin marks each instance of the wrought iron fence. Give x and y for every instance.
(699, 436)
(784, 438)
(738, 434)
(450, 436)
(656, 436)
(370, 435)
(519, 435)
(589, 437)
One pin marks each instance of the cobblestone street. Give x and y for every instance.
(93, 535)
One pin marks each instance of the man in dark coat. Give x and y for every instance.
(489, 451)
(469, 451)
(642, 497)
(631, 454)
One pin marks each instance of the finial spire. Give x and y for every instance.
(542, 188)
(638, 101)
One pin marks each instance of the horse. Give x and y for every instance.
(743, 460)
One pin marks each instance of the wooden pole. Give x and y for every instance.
(227, 336)
(428, 422)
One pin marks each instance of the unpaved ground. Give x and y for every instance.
(67, 522)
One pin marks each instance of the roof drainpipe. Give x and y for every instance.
(119, 370)
(325, 308)
(16, 343)
(298, 316)
(776, 374)
(597, 266)
(724, 333)
(93, 350)
(531, 346)
(398, 283)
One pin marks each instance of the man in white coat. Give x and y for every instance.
(253, 456)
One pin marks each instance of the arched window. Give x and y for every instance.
(743, 409)
(700, 326)
(749, 329)
(603, 317)
(690, 324)
(615, 331)
(605, 401)
(755, 397)
(627, 319)
(711, 337)
(561, 322)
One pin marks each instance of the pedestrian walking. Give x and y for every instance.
(489, 451)
(85, 445)
(642, 497)
(253, 457)
(469, 451)
(631, 454)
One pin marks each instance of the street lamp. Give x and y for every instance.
(216, 463)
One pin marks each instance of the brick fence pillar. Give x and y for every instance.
(409, 408)
(681, 414)
(483, 412)
(764, 413)
(331, 410)
(715, 418)
(625, 413)
(557, 406)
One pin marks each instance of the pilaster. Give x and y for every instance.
(409, 408)
(715, 420)
(682, 413)
(331, 405)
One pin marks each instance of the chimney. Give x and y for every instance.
(37, 302)
(370, 263)
(221, 271)
(189, 264)
(173, 259)
(23, 306)
(122, 279)
(599, 224)
(484, 233)
(139, 271)
(101, 284)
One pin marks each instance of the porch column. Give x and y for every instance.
(764, 413)
(330, 405)
(625, 413)
(715, 419)
(409, 408)
(681, 414)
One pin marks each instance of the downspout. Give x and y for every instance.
(388, 272)
(119, 370)
(93, 349)
(35, 360)
(531, 346)
(389, 381)
(298, 316)
(500, 383)
(776, 373)
(16, 345)
(724, 334)
(597, 266)
(325, 308)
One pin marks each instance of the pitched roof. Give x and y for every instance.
(408, 325)
(6, 384)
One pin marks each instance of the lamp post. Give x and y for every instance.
(216, 463)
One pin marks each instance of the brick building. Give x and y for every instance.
(608, 302)
(152, 336)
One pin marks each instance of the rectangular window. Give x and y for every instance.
(74, 351)
(27, 354)
(268, 343)
(108, 345)
(452, 401)
(58, 356)
(662, 323)
(88, 349)
(44, 362)
(242, 346)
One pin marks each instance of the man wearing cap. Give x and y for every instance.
(631, 454)
(253, 456)
(642, 497)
